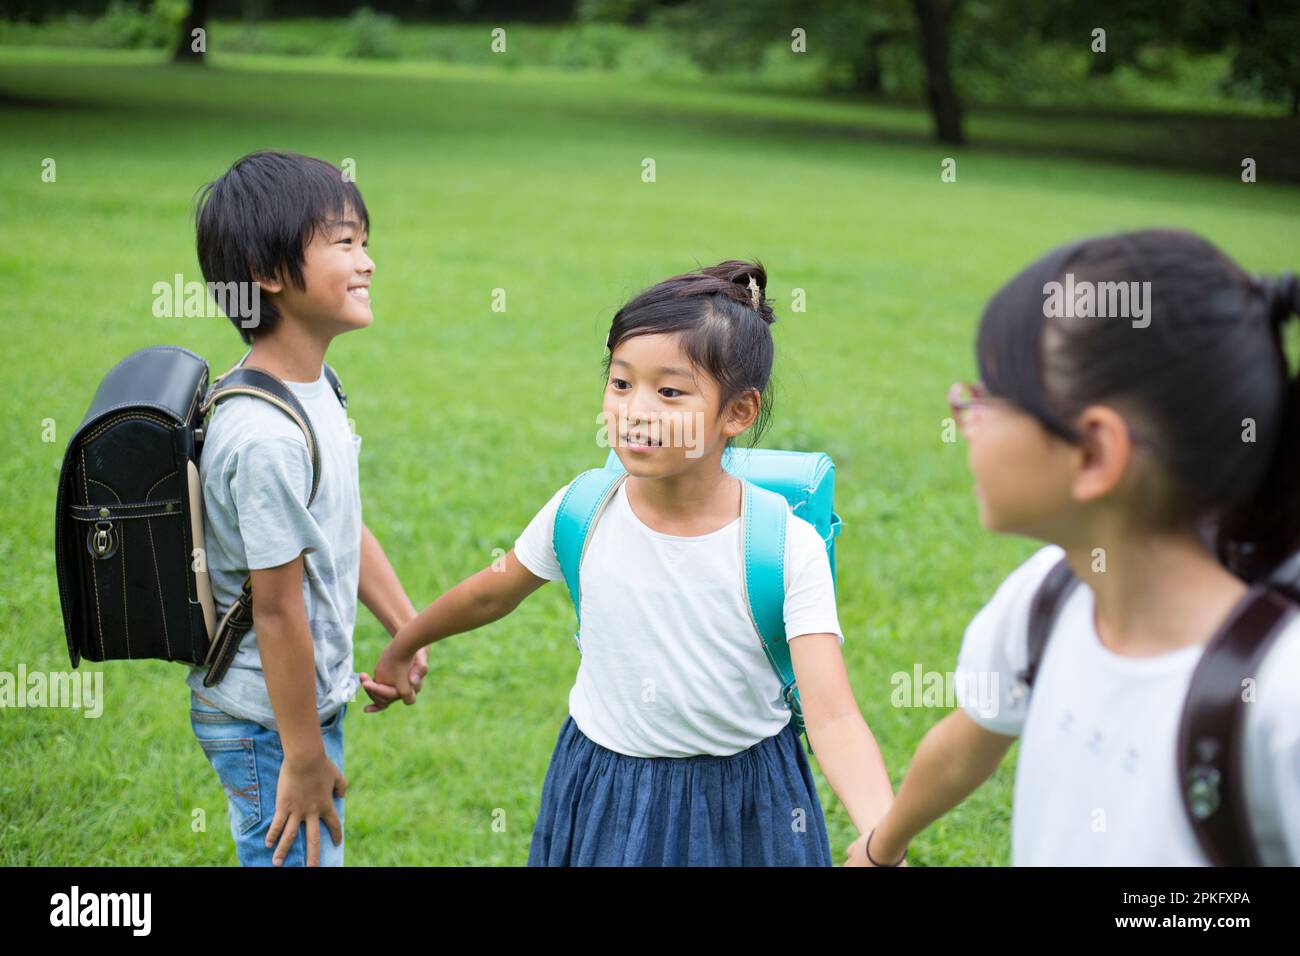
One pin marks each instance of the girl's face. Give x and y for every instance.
(1023, 473)
(661, 414)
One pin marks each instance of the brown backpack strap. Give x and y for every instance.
(236, 623)
(336, 385)
(1211, 734)
(1048, 601)
(259, 383)
(248, 380)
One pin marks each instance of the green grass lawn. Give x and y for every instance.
(531, 182)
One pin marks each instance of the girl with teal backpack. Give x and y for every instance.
(703, 581)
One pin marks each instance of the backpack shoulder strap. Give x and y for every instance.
(764, 515)
(575, 518)
(330, 376)
(1211, 734)
(247, 380)
(335, 384)
(1046, 607)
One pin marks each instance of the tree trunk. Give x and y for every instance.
(869, 77)
(196, 19)
(932, 18)
(1102, 64)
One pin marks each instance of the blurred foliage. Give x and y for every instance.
(1265, 42)
(1200, 55)
(135, 26)
(372, 35)
(481, 10)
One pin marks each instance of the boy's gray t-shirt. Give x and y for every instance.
(256, 475)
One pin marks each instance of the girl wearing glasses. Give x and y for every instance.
(1155, 448)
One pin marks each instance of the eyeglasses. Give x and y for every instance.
(968, 399)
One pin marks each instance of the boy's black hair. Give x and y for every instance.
(259, 218)
(723, 318)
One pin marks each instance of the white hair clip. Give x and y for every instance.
(755, 293)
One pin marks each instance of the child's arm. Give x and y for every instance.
(381, 591)
(485, 597)
(308, 780)
(841, 740)
(379, 587)
(954, 758)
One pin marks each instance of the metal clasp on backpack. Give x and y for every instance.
(1203, 796)
(788, 694)
(101, 542)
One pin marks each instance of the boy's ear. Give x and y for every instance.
(271, 285)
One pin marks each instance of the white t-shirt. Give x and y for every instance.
(1097, 777)
(671, 664)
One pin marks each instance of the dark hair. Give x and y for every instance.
(724, 326)
(1206, 357)
(259, 218)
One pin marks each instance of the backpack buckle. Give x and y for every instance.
(790, 694)
(101, 542)
(1203, 797)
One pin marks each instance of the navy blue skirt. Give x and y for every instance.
(758, 807)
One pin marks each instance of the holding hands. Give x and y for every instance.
(857, 855)
(399, 675)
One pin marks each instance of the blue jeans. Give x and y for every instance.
(247, 758)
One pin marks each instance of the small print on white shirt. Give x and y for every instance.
(1097, 773)
(671, 665)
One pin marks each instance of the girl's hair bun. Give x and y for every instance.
(750, 281)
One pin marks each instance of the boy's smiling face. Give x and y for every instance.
(337, 270)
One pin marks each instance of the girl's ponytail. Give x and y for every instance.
(1257, 536)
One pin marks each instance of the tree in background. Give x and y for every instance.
(852, 36)
(933, 20)
(946, 51)
(1264, 39)
(195, 19)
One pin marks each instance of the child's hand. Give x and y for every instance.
(397, 675)
(305, 795)
(856, 854)
(419, 668)
(383, 693)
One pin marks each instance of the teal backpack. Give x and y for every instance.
(774, 483)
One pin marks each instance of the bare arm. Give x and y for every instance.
(842, 742)
(288, 661)
(308, 779)
(480, 599)
(379, 588)
(953, 759)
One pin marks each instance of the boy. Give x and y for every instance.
(273, 727)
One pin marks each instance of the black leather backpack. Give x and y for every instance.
(1211, 755)
(128, 526)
